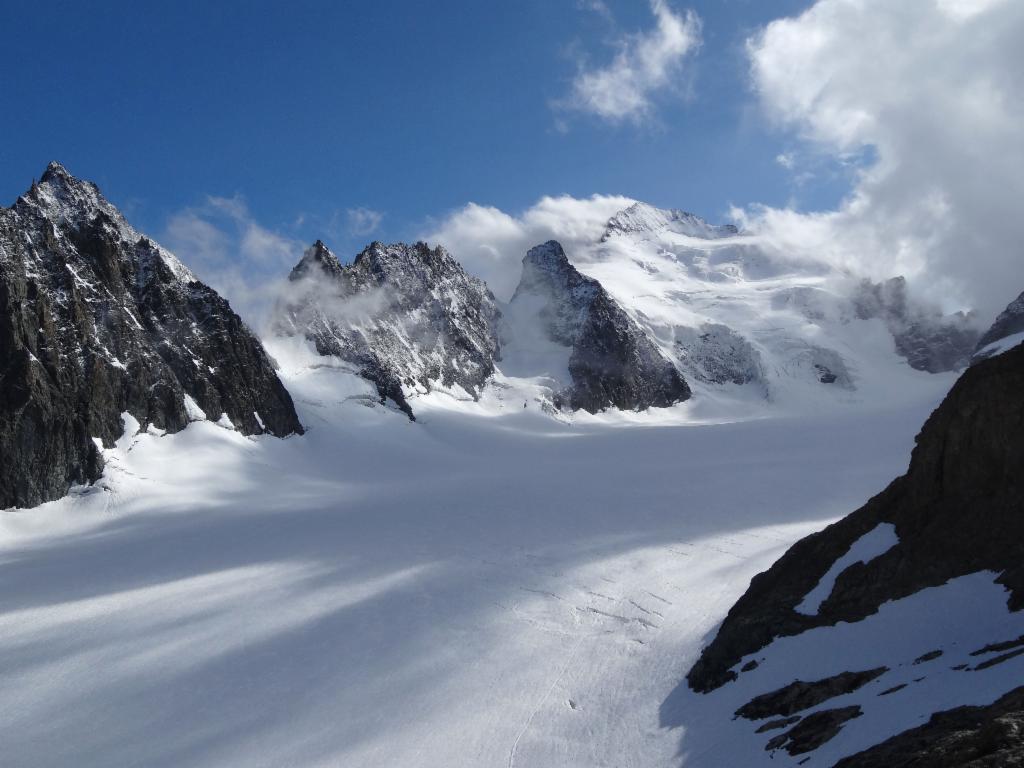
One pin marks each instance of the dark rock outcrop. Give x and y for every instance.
(407, 316)
(929, 340)
(800, 695)
(612, 363)
(96, 320)
(958, 510)
(1009, 322)
(965, 737)
(814, 730)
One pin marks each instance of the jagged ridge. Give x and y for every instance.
(96, 320)
(407, 315)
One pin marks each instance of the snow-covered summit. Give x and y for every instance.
(644, 218)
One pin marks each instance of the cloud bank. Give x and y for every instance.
(935, 88)
(645, 64)
(491, 243)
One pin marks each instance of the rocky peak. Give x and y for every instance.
(612, 362)
(97, 320)
(317, 257)
(407, 316)
(1010, 322)
(644, 218)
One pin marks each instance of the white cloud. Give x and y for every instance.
(230, 251)
(936, 89)
(363, 221)
(644, 64)
(491, 243)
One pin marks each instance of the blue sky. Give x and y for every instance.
(308, 109)
(236, 133)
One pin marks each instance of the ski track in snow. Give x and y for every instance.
(381, 593)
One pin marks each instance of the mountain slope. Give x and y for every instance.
(744, 321)
(96, 320)
(408, 317)
(955, 518)
(1007, 330)
(611, 362)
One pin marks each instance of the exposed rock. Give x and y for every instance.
(408, 316)
(965, 737)
(1009, 322)
(612, 361)
(814, 730)
(998, 660)
(959, 509)
(1006, 645)
(929, 340)
(774, 725)
(96, 320)
(930, 656)
(800, 695)
(892, 690)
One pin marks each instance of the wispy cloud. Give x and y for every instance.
(491, 243)
(363, 221)
(927, 96)
(228, 249)
(644, 64)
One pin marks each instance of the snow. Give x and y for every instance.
(192, 409)
(1000, 346)
(875, 542)
(488, 586)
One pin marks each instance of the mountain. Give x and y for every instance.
(407, 316)
(947, 534)
(642, 218)
(731, 310)
(1005, 331)
(97, 320)
(610, 361)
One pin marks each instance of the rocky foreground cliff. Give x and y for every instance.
(96, 320)
(955, 518)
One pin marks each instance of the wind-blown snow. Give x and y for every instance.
(875, 542)
(490, 586)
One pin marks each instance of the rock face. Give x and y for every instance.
(612, 362)
(408, 316)
(928, 340)
(958, 510)
(1009, 323)
(965, 737)
(96, 320)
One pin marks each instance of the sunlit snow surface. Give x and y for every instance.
(489, 586)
